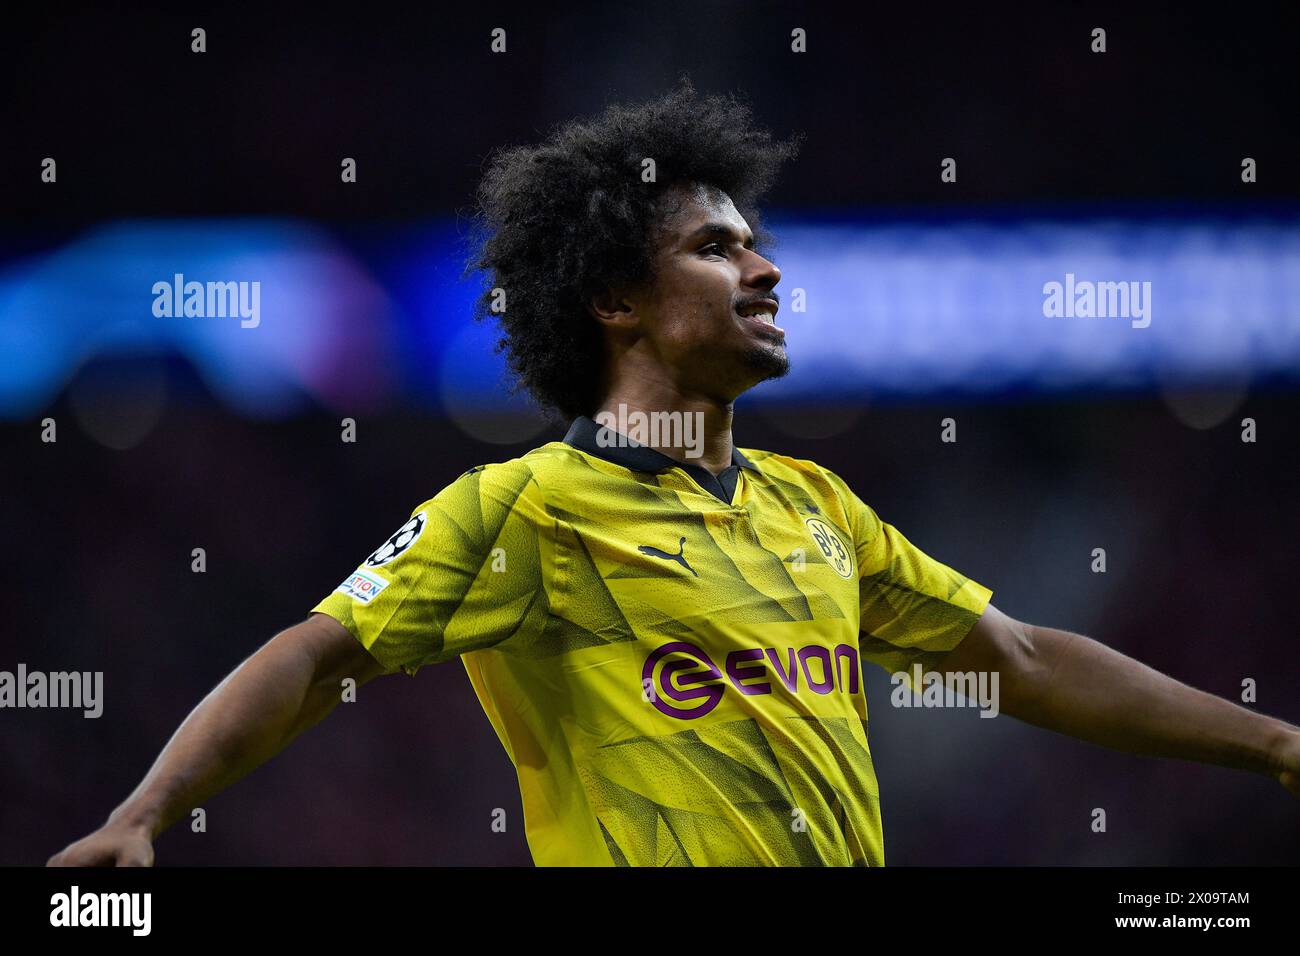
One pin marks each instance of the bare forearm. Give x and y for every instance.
(245, 721)
(1082, 688)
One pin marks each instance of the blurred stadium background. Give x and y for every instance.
(924, 301)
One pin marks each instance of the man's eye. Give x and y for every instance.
(716, 246)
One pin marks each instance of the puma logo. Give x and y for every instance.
(679, 557)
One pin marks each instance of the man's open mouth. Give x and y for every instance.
(761, 314)
(760, 310)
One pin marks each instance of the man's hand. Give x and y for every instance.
(1289, 775)
(290, 684)
(113, 844)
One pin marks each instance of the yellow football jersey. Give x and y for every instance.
(670, 659)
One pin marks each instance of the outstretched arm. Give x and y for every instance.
(288, 685)
(1074, 685)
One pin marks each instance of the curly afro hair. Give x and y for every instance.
(562, 221)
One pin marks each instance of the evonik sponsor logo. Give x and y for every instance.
(824, 670)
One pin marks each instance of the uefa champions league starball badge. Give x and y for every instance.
(405, 536)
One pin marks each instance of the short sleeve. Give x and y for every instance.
(465, 572)
(914, 609)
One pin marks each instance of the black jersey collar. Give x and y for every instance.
(584, 435)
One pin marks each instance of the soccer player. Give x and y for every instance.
(665, 633)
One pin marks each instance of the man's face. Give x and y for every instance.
(698, 316)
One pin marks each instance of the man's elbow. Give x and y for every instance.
(1021, 655)
(1033, 660)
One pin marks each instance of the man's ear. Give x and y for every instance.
(612, 309)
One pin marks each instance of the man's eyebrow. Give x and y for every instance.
(718, 230)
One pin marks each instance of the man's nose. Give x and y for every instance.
(765, 274)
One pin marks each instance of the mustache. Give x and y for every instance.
(745, 303)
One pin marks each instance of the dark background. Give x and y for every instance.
(1200, 529)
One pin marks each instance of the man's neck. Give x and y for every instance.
(691, 432)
